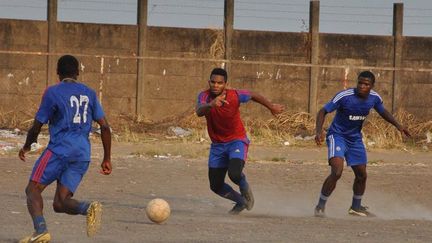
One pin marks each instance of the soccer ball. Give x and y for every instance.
(158, 210)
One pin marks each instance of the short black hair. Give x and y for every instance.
(221, 72)
(367, 74)
(67, 65)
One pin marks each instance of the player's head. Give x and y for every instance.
(68, 66)
(365, 82)
(217, 81)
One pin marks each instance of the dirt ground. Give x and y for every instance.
(286, 182)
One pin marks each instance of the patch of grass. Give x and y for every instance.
(278, 159)
(285, 129)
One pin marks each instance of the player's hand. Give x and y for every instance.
(220, 100)
(22, 152)
(277, 109)
(319, 138)
(106, 167)
(405, 131)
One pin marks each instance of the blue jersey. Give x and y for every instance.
(351, 111)
(70, 109)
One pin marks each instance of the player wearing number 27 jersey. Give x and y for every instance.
(69, 108)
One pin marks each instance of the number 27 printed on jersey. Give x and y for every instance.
(77, 104)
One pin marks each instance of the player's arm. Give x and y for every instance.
(319, 126)
(273, 107)
(203, 108)
(32, 136)
(386, 115)
(106, 142)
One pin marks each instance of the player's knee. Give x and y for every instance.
(361, 177)
(336, 175)
(30, 191)
(235, 176)
(58, 206)
(216, 187)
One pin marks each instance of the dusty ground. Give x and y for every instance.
(286, 182)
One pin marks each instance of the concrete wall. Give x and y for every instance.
(417, 87)
(116, 83)
(282, 84)
(171, 86)
(354, 51)
(22, 77)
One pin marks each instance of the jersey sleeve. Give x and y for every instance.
(46, 108)
(379, 105)
(244, 95)
(333, 104)
(98, 112)
(202, 98)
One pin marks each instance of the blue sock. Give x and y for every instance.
(228, 193)
(39, 224)
(243, 182)
(356, 201)
(82, 207)
(322, 201)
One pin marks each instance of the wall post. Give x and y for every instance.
(228, 30)
(397, 58)
(51, 47)
(142, 40)
(314, 58)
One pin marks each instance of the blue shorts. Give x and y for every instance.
(49, 167)
(352, 149)
(222, 153)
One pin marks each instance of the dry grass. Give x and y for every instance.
(15, 119)
(279, 130)
(289, 125)
(217, 49)
(384, 135)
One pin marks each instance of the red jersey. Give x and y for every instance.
(224, 123)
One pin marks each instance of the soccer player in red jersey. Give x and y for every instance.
(228, 151)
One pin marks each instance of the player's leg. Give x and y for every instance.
(218, 185)
(64, 203)
(35, 205)
(357, 159)
(336, 150)
(218, 167)
(43, 173)
(337, 164)
(359, 185)
(237, 157)
(67, 183)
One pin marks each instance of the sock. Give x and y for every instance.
(356, 201)
(39, 224)
(243, 183)
(82, 207)
(228, 193)
(322, 201)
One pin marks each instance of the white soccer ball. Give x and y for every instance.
(158, 210)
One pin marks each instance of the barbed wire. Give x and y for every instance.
(242, 8)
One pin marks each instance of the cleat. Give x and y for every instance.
(238, 207)
(249, 198)
(319, 212)
(94, 216)
(44, 237)
(362, 212)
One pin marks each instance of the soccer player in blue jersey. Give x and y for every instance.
(69, 108)
(344, 139)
